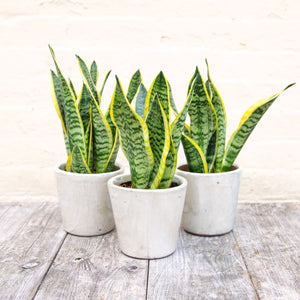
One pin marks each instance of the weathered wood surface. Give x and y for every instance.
(30, 236)
(259, 260)
(268, 236)
(94, 268)
(201, 268)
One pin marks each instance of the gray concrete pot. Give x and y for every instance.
(147, 221)
(84, 201)
(211, 201)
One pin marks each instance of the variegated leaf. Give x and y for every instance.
(133, 86)
(139, 100)
(221, 118)
(79, 164)
(195, 157)
(248, 122)
(113, 155)
(86, 75)
(160, 87)
(203, 118)
(94, 71)
(104, 82)
(134, 138)
(74, 126)
(159, 137)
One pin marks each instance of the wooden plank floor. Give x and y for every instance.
(260, 259)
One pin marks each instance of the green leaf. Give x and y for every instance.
(139, 100)
(194, 155)
(170, 169)
(161, 88)
(203, 118)
(94, 71)
(113, 155)
(72, 89)
(104, 82)
(84, 106)
(79, 164)
(133, 86)
(74, 126)
(134, 138)
(172, 102)
(58, 101)
(88, 79)
(192, 80)
(248, 122)
(159, 137)
(221, 118)
(102, 138)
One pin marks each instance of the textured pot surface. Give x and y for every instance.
(147, 221)
(84, 201)
(211, 201)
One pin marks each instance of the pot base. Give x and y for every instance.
(88, 235)
(144, 257)
(208, 235)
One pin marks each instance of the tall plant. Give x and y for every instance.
(148, 138)
(90, 137)
(204, 140)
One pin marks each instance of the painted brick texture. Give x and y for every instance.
(252, 47)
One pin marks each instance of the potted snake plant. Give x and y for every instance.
(147, 203)
(92, 144)
(211, 172)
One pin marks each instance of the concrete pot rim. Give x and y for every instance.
(60, 169)
(177, 178)
(237, 169)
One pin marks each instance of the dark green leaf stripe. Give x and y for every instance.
(221, 118)
(88, 79)
(159, 137)
(161, 88)
(104, 82)
(74, 126)
(170, 169)
(113, 155)
(246, 126)
(134, 138)
(102, 136)
(133, 86)
(177, 125)
(79, 164)
(194, 155)
(139, 101)
(203, 119)
(84, 106)
(94, 71)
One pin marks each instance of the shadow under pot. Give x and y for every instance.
(147, 221)
(84, 201)
(211, 201)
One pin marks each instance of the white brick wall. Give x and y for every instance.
(253, 48)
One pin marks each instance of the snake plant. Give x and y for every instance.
(204, 140)
(91, 138)
(148, 138)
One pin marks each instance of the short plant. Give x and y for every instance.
(90, 137)
(148, 138)
(204, 140)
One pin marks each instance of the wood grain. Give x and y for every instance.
(94, 268)
(269, 240)
(201, 268)
(30, 235)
